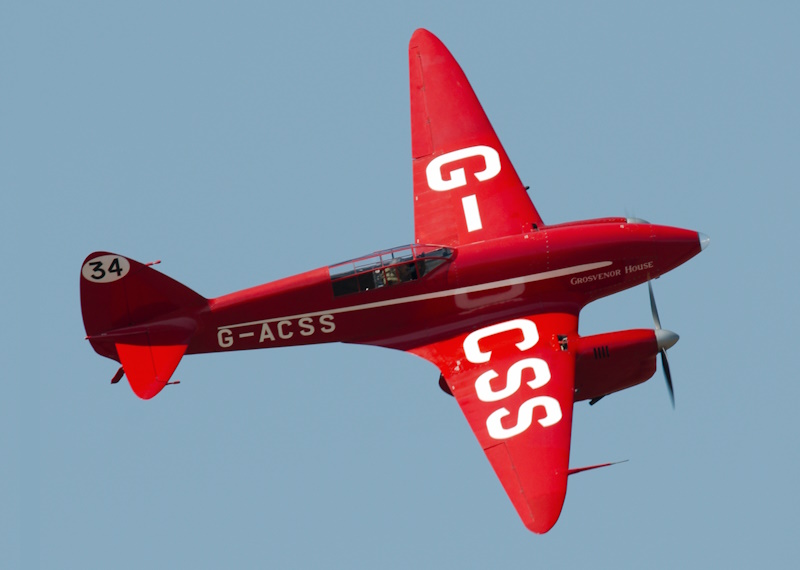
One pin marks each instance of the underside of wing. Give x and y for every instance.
(514, 383)
(465, 187)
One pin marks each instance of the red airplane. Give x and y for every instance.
(488, 292)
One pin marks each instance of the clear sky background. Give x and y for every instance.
(241, 142)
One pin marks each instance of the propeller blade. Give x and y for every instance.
(668, 376)
(653, 308)
(665, 340)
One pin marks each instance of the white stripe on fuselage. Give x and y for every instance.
(439, 294)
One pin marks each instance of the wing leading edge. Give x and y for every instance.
(514, 383)
(465, 187)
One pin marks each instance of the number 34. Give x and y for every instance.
(105, 269)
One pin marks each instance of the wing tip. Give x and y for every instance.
(420, 34)
(425, 40)
(544, 514)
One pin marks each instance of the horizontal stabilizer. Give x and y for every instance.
(149, 368)
(150, 355)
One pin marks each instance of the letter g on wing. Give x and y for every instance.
(458, 177)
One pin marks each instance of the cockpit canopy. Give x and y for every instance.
(387, 268)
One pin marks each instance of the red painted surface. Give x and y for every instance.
(446, 116)
(610, 362)
(532, 466)
(493, 300)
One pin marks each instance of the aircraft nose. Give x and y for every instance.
(704, 240)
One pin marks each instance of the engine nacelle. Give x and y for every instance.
(610, 362)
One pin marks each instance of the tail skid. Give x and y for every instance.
(139, 317)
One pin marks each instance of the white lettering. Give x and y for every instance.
(281, 333)
(326, 322)
(485, 392)
(458, 177)
(513, 379)
(471, 213)
(224, 338)
(266, 333)
(639, 267)
(283, 328)
(484, 389)
(530, 336)
(524, 417)
(540, 369)
(306, 326)
(595, 277)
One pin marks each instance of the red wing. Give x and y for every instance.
(465, 187)
(514, 382)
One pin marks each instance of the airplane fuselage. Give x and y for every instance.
(555, 269)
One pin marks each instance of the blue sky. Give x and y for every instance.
(241, 142)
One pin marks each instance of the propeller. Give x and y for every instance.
(665, 339)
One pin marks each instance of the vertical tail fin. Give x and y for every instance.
(137, 316)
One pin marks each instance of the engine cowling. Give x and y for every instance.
(610, 362)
